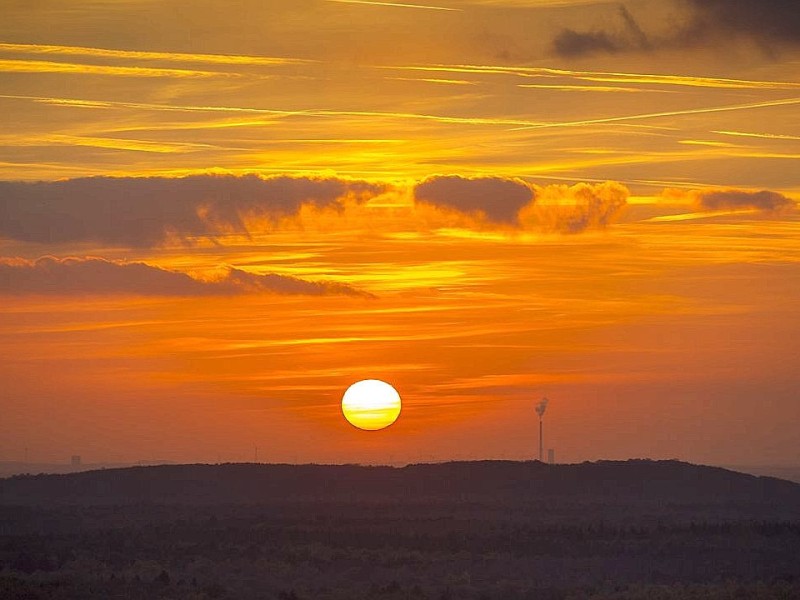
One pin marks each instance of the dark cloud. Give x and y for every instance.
(628, 36)
(98, 276)
(144, 212)
(571, 43)
(769, 23)
(764, 20)
(738, 199)
(632, 29)
(499, 199)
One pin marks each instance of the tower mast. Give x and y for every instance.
(540, 408)
(541, 440)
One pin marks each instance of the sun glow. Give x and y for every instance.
(371, 404)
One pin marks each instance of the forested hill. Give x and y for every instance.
(505, 481)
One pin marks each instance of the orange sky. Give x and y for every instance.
(215, 217)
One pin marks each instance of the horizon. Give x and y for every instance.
(214, 222)
(788, 472)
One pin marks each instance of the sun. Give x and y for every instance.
(371, 404)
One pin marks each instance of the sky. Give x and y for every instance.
(216, 216)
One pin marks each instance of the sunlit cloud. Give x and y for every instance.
(87, 276)
(575, 209)
(733, 199)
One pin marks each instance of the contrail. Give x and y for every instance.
(769, 136)
(671, 113)
(224, 59)
(100, 104)
(46, 66)
(395, 4)
(605, 76)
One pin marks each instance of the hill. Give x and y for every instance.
(490, 530)
(638, 481)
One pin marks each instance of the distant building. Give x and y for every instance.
(75, 461)
(551, 456)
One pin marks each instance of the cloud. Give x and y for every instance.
(628, 36)
(769, 23)
(766, 21)
(577, 208)
(498, 199)
(98, 276)
(575, 43)
(147, 211)
(740, 200)
(242, 281)
(559, 208)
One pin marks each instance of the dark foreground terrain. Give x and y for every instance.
(480, 530)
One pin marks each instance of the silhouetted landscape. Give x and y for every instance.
(482, 530)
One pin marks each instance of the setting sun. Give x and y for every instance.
(371, 404)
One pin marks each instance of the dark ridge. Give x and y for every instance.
(633, 480)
